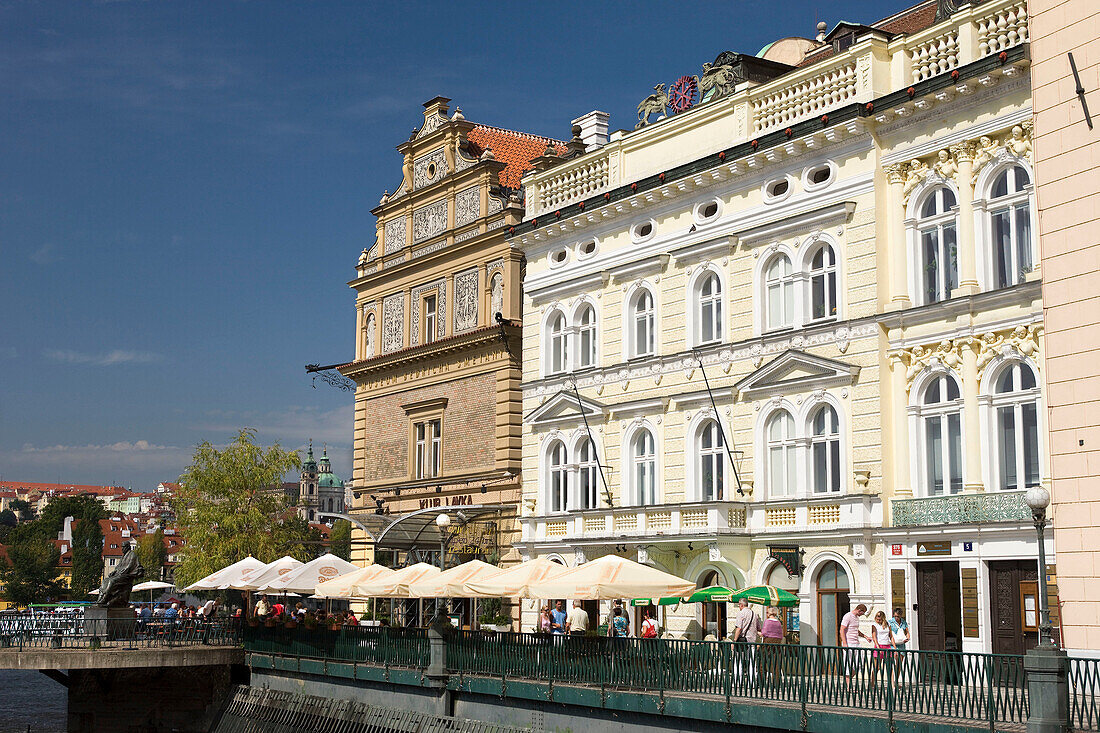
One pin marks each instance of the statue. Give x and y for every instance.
(653, 104)
(363, 257)
(945, 165)
(945, 9)
(368, 342)
(916, 175)
(987, 151)
(1018, 144)
(718, 80)
(115, 591)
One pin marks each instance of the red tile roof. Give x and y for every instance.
(911, 20)
(23, 486)
(517, 149)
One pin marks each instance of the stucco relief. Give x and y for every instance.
(466, 297)
(431, 125)
(496, 205)
(395, 234)
(946, 355)
(393, 321)
(430, 221)
(428, 169)
(1022, 340)
(467, 205)
(468, 234)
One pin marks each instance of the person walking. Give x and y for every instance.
(900, 629)
(649, 626)
(746, 632)
(619, 626)
(771, 633)
(849, 639)
(576, 624)
(544, 620)
(883, 641)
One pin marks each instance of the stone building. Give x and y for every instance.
(1067, 152)
(319, 490)
(789, 332)
(437, 371)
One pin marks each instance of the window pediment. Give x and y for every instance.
(796, 371)
(564, 409)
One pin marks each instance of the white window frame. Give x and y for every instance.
(556, 346)
(920, 415)
(834, 460)
(987, 207)
(715, 302)
(715, 455)
(641, 465)
(785, 446)
(786, 284)
(586, 470)
(992, 402)
(917, 226)
(830, 275)
(557, 496)
(586, 356)
(634, 315)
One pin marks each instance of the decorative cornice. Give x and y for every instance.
(402, 359)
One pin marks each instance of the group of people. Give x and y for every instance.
(147, 612)
(277, 612)
(577, 621)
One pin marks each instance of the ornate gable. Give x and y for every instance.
(796, 371)
(564, 409)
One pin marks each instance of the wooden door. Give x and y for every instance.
(1011, 582)
(931, 631)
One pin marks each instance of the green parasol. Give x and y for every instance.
(713, 594)
(766, 595)
(655, 601)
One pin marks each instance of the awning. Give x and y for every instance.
(418, 530)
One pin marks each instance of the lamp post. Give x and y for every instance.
(443, 521)
(1038, 499)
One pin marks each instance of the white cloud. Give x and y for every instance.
(110, 358)
(141, 463)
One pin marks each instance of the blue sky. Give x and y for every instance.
(186, 187)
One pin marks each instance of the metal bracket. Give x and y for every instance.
(661, 702)
(805, 722)
(729, 711)
(550, 690)
(503, 687)
(603, 696)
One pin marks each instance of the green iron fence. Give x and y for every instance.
(21, 632)
(380, 645)
(991, 688)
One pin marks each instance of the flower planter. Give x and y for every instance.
(499, 628)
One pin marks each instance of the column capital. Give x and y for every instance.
(895, 173)
(964, 151)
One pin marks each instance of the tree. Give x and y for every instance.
(230, 505)
(87, 551)
(153, 554)
(8, 518)
(339, 539)
(31, 573)
(22, 508)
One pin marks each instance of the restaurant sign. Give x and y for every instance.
(789, 556)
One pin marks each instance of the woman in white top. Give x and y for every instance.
(883, 639)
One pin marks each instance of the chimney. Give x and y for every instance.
(593, 129)
(67, 530)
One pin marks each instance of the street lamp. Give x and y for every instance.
(1038, 499)
(443, 521)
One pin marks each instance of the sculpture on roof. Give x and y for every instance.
(719, 78)
(115, 591)
(653, 104)
(944, 9)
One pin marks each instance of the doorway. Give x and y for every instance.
(939, 606)
(1014, 590)
(714, 614)
(832, 602)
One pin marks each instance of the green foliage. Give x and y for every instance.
(231, 505)
(22, 509)
(153, 554)
(87, 551)
(339, 539)
(491, 611)
(31, 576)
(8, 518)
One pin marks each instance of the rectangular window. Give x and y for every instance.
(1007, 428)
(429, 318)
(934, 453)
(428, 449)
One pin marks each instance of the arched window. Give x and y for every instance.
(558, 344)
(823, 283)
(832, 601)
(709, 309)
(643, 453)
(644, 336)
(1010, 225)
(825, 448)
(779, 290)
(939, 273)
(586, 337)
(586, 474)
(1016, 402)
(559, 477)
(712, 462)
(942, 422)
(782, 455)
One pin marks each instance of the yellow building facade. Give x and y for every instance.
(791, 333)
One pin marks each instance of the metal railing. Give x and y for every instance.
(73, 631)
(380, 645)
(1083, 682)
(990, 688)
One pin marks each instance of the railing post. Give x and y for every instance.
(1047, 690)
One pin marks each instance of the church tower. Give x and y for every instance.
(307, 486)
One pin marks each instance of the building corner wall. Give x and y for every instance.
(1067, 155)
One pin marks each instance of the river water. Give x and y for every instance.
(30, 701)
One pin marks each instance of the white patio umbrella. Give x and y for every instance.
(229, 577)
(304, 580)
(151, 585)
(396, 585)
(343, 586)
(515, 582)
(451, 583)
(274, 570)
(612, 577)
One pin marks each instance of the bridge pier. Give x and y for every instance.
(121, 700)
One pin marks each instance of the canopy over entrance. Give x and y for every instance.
(418, 530)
